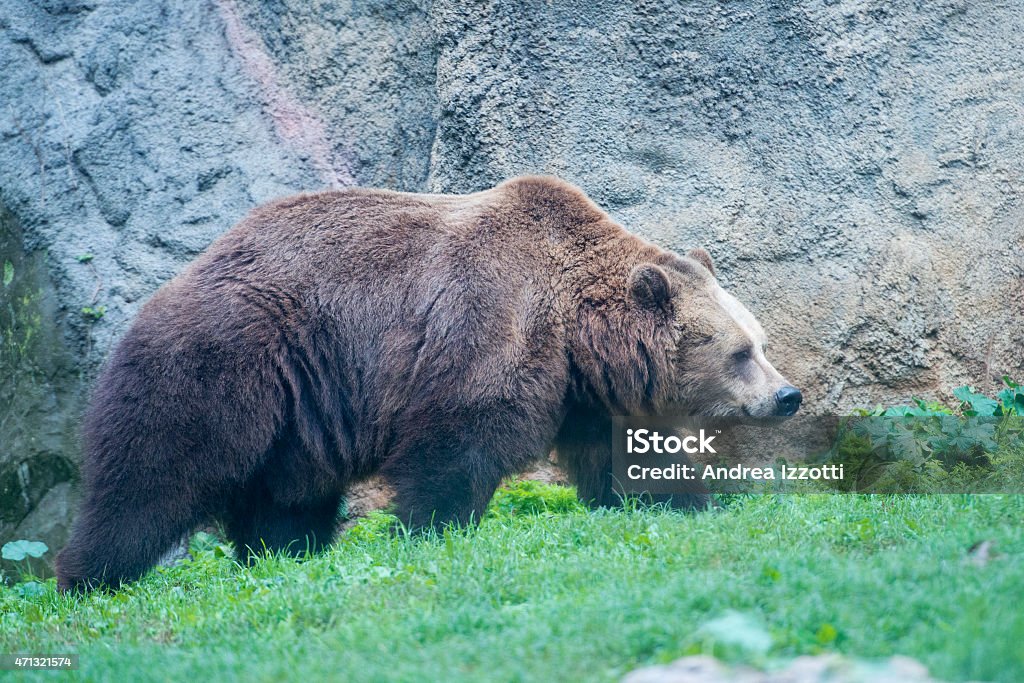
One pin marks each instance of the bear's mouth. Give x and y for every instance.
(771, 419)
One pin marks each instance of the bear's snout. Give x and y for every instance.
(787, 401)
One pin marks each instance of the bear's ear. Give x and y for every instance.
(648, 284)
(702, 257)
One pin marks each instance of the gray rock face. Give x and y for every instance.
(856, 169)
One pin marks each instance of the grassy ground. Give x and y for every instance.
(544, 590)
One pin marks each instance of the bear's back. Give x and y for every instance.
(412, 288)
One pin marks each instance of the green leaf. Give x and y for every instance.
(898, 411)
(19, 550)
(826, 635)
(94, 313)
(980, 403)
(30, 589)
(907, 446)
(982, 434)
(1012, 401)
(8, 273)
(876, 430)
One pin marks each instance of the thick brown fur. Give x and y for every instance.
(440, 342)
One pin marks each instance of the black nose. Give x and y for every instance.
(788, 400)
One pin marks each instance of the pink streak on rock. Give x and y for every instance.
(294, 123)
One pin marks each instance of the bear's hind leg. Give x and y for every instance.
(257, 524)
(584, 451)
(118, 536)
(432, 487)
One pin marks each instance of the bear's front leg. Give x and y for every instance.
(584, 448)
(433, 494)
(447, 473)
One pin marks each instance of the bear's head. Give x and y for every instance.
(672, 341)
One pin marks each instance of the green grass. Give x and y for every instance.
(545, 590)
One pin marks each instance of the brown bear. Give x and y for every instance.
(441, 343)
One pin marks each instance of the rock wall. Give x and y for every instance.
(855, 168)
(39, 393)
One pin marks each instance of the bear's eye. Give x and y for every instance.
(742, 356)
